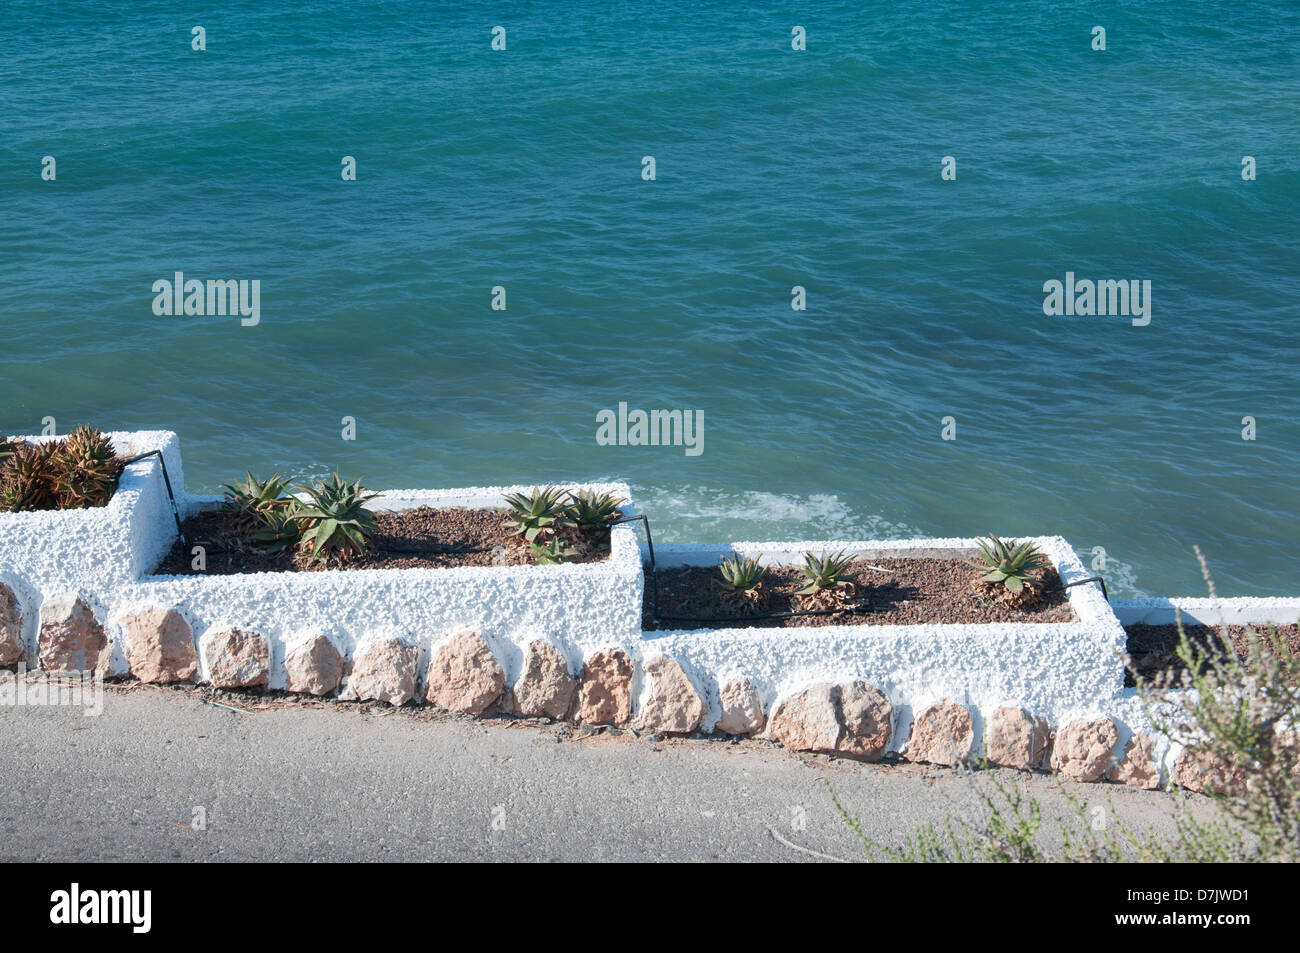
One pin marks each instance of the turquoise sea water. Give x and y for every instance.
(775, 168)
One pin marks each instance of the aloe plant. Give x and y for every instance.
(252, 504)
(1012, 566)
(84, 469)
(826, 572)
(334, 520)
(280, 528)
(589, 510)
(27, 480)
(538, 513)
(556, 551)
(741, 573)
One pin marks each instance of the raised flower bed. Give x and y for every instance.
(1063, 656)
(899, 648)
(97, 547)
(574, 604)
(1152, 625)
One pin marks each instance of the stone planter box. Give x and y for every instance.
(1128, 710)
(104, 559)
(566, 641)
(1055, 670)
(574, 605)
(96, 549)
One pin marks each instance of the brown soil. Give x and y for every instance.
(1153, 648)
(423, 538)
(912, 591)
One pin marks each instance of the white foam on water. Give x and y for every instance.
(1120, 576)
(701, 513)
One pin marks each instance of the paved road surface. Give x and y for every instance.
(338, 783)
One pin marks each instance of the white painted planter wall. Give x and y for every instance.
(582, 607)
(93, 552)
(1057, 671)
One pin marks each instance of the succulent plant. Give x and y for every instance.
(334, 521)
(827, 572)
(589, 510)
(279, 529)
(740, 579)
(85, 468)
(251, 505)
(556, 551)
(536, 513)
(741, 573)
(7, 449)
(26, 482)
(1010, 565)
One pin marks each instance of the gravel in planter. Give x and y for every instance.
(913, 591)
(1154, 648)
(479, 534)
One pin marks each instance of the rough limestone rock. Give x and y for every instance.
(464, 676)
(1083, 749)
(11, 628)
(71, 640)
(807, 720)
(854, 720)
(1199, 770)
(544, 689)
(160, 646)
(942, 734)
(384, 671)
(742, 708)
(313, 667)
(236, 659)
(605, 693)
(867, 720)
(1016, 739)
(1137, 766)
(673, 706)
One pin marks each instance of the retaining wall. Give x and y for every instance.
(566, 640)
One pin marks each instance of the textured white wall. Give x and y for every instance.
(580, 606)
(1052, 669)
(1058, 671)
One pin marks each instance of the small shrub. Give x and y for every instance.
(1240, 711)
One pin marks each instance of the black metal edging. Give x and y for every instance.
(1079, 582)
(176, 513)
(850, 610)
(654, 591)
